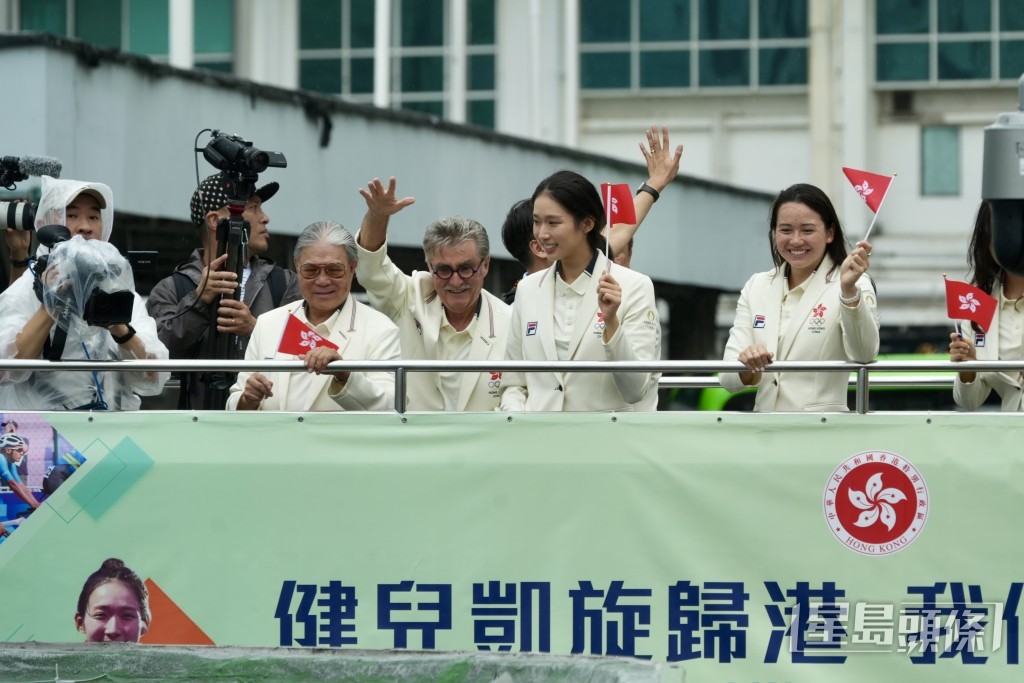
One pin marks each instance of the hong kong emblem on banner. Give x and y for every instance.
(876, 503)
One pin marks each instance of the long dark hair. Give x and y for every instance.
(580, 198)
(813, 198)
(114, 569)
(986, 273)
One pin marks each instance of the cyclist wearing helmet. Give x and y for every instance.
(13, 448)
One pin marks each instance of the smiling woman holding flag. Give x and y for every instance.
(327, 325)
(817, 304)
(991, 320)
(581, 309)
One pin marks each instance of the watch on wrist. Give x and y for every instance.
(644, 187)
(19, 262)
(126, 336)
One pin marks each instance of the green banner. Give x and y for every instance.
(746, 547)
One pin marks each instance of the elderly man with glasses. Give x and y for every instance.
(443, 314)
(326, 325)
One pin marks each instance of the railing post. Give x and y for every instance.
(400, 390)
(862, 390)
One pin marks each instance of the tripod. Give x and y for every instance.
(231, 238)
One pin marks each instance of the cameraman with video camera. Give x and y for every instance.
(182, 303)
(76, 302)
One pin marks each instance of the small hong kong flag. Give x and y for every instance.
(298, 338)
(871, 186)
(967, 302)
(618, 203)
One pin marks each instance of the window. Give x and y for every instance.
(940, 160)
(336, 47)
(937, 41)
(692, 44)
(138, 26)
(481, 80)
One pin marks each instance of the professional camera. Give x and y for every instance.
(22, 215)
(1002, 185)
(233, 154)
(87, 277)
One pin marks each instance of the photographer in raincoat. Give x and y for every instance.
(77, 302)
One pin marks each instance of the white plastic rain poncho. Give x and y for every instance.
(76, 269)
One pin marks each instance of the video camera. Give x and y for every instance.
(22, 215)
(233, 154)
(89, 277)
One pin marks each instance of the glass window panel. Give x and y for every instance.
(481, 22)
(422, 74)
(1011, 15)
(664, 19)
(98, 22)
(214, 26)
(965, 61)
(724, 19)
(901, 16)
(940, 160)
(782, 66)
(422, 23)
(433, 108)
(481, 112)
(1011, 59)
(723, 68)
(361, 78)
(604, 21)
(221, 67)
(320, 75)
(604, 70)
(664, 69)
(49, 16)
(902, 62)
(964, 16)
(148, 27)
(319, 24)
(782, 18)
(481, 72)
(361, 23)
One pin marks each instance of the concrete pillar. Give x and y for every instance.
(856, 112)
(267, 41)
(181, 39)
(457, 61)
(382, 53)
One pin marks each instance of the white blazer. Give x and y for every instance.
(1006, 384)
(413, 304)
(360, 332)
(531, 337)
(821, 329)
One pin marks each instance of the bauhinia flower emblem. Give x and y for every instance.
(819, 311)
(864, 190)
(967, 301)
(310, 339)
(876, 503)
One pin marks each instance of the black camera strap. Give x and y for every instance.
(55, 350)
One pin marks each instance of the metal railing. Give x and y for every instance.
(689, 374)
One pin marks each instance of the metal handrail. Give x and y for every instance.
(401, 368)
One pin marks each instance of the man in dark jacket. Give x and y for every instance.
(183, 303)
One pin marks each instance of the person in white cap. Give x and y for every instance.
(43, 312)
(183, 302)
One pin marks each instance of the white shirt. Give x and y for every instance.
(454, 345)
(568, 298)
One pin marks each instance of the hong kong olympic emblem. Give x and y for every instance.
(876, 503)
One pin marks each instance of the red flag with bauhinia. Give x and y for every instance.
(966, 302)
(871, 186)
(299, 338)
(622, 210)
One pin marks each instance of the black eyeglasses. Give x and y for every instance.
(465, 271)
(311, 271)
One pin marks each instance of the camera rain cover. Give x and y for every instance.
(78, 270)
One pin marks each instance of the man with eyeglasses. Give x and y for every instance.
(443, 314)
(13, 448)
(182, 303)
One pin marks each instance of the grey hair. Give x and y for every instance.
(330, 233)
(453, 231)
